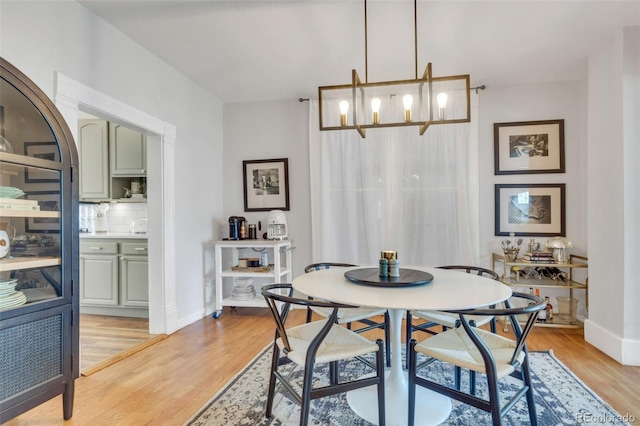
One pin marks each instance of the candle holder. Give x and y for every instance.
(511, 254)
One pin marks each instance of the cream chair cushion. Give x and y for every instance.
(351, 314)
(449, 320)
(339, 344)
(455, 347)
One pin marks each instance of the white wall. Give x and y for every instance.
(614, 325)
(531, 102)
(263, 130)
(41, 38)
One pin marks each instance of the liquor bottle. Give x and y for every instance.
(542, 315)
(549, 309)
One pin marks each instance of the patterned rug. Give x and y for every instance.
(561, 398)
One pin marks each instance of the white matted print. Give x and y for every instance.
(530, 209)
(266, 184)
(529, 147)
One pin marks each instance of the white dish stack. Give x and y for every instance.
(9, 297)
(243, 289)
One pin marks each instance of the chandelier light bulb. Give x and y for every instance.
(442, 105)
(375, 110)
(407, 100)
(442, 100)
(344, 110)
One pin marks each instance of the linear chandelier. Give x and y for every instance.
(397, 103)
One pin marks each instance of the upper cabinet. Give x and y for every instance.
(39, 309)
(128, 151)
(111, 157)
(93, 147)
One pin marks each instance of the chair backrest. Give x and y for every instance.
(279, 298)
(531, 310)
(476, 270)
(325, 265)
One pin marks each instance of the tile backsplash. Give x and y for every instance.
(120, 216)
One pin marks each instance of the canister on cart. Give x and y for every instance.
(264, 259)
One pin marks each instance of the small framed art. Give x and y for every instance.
(530, 209)
(49, 201)
(266, 184)
(45, 151)
(528, 147)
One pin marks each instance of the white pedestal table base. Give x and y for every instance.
(432, 408)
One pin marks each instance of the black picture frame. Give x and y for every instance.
(43, 150)
(266, 184)
(530, 209)
(49, 201)
(529, 147)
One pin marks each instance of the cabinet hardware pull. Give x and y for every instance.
(95, 248)
(140, 248)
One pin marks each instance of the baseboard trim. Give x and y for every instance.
(625, 351)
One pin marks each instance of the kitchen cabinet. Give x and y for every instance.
(134, 274)
(227, 269)
(99, 273)
(93, 149)
(39, 331)
(576, 280)
(114, 277)
(110, 156)
(128, 150)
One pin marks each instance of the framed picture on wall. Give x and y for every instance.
(45, 151)
(49, 219)
(530, 209)
(528, 147)
(266, 184)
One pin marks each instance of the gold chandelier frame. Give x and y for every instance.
(456, 107)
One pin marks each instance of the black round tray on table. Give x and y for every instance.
(369, 276)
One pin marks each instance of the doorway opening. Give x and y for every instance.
(71, 98)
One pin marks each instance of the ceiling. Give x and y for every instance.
(265, 50)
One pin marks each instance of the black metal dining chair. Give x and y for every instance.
(435, 319)
(316, 342)
(362, 315)
(483, 352)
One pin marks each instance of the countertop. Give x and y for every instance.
(113, 235)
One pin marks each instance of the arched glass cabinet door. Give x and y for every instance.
(36, 198)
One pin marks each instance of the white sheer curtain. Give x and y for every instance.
(395, 190)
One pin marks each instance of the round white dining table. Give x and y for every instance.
(449, 289)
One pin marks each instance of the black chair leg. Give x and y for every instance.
(457, 373)
(494, 399)
(333, 372)
(472, 382)
(305, 404)
(411, 357)
(407, 337)
(380, 371)
(531, 403)
(272, 381)
(387, 339)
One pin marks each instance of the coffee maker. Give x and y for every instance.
(237, 228)
(277, 225)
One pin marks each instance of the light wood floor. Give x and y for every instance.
(105, 340)
(168, 382)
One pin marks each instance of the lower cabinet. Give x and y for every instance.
(134, 275)
(114, 277)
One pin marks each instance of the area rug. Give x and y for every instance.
(561, 398)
